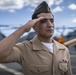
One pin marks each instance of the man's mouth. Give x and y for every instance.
(49, 30)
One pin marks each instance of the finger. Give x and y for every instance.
(38, 19)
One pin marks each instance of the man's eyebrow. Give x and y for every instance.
(47, 18)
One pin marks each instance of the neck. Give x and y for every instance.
(45, 39)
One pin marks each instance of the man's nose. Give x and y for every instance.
(49, 23)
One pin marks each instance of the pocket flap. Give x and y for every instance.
(63, 66)
(38, 68)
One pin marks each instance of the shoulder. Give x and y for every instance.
(23, 45)
(60, 46)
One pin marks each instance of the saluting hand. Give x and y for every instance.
(31, 23)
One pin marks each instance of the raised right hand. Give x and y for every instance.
(31, 23)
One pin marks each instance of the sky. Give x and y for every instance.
(15, 13)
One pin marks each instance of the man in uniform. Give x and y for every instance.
(42, 55)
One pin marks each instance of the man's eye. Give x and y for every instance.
(51, 20)
(43, 21)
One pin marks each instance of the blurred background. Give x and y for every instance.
(14, 14)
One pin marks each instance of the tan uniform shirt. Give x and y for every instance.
(36, 59)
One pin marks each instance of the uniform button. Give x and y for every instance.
(64, 69)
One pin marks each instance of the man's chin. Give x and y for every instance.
(48, 36)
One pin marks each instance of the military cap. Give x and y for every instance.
(41, 8)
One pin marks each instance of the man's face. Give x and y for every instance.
(45, 27)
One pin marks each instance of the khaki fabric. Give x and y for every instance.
(36, 59)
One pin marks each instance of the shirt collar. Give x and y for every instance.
(37, 45)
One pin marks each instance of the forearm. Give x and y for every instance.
(7, 43)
